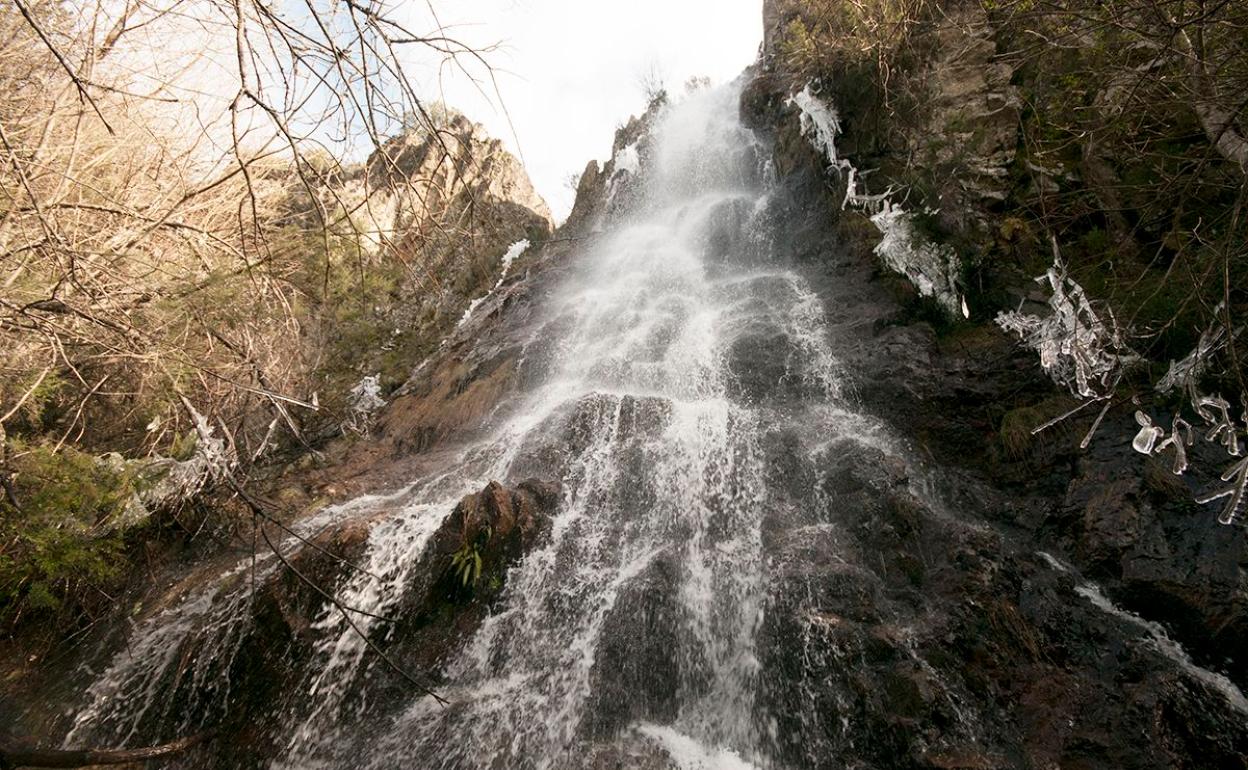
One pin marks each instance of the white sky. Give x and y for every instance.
(570, 71)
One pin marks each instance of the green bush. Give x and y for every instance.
(60, 551)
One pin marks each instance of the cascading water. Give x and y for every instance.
(632, 628)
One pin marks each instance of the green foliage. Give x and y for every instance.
(183, 446)
(466, 562)
(866, 39)
(61, 546)
(1016, 428)
(798, 46)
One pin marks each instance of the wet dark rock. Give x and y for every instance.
(725, 234)
(637, 671)
(759, 360)
(906, 634)
(997, 649)
(499, 525)
(629, 751)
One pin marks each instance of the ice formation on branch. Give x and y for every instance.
(1193, 365)
(1223, 426)
(166, 482)
(932, 268)
(1215, 411)
(1225, 431)
(362, 401)
(1239, 474)
(1077, 350)
(1180, 438)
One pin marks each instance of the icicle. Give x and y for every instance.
(1238, 472)
(1096, 424)
(362, 401)
(932, 268)
(819, 121)
(1222, 424)
(1180, 442)
(1193, 365)
(1146, 439)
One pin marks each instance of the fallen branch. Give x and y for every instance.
(14, 757)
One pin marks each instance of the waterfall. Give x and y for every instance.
(680, 342)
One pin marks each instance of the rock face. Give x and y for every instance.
(967, 138)
(498, 525)
(955, 621)
(504, 345)
(472, 202)
(933, 643)
(437, 217)
(239, 675)
(417, 183)
(946, 126)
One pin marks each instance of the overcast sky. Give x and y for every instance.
(570, 71)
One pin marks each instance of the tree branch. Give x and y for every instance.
(14, 756)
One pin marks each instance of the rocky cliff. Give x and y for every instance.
(435, 215)
(949, 116)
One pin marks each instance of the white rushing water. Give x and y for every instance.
(642, 380)
(648, 420)
(1157, 638)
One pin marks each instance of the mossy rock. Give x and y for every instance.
(1017, 432)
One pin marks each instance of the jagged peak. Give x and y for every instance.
(457, 151)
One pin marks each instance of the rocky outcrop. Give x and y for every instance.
(495, 527)
(943, 131)
(421, 182)
(498, 525)
(504, 345)
(966, 137)
(432, 221)
(238, 677)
